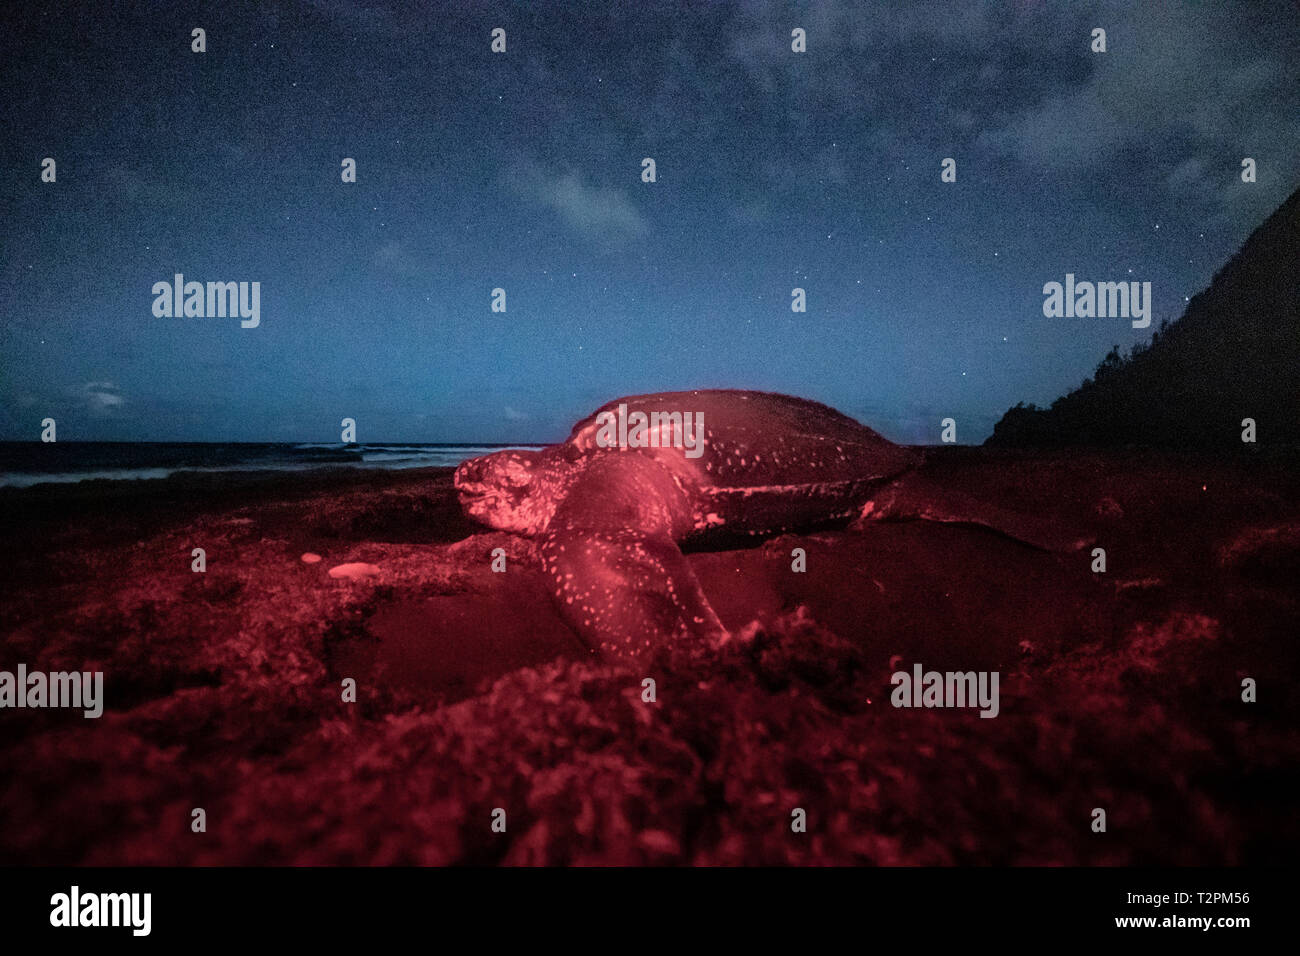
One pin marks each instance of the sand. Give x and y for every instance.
(224, 690)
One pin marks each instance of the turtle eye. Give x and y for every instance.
(570, 452)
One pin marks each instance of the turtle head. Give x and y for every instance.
(513, 490)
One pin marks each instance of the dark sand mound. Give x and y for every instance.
(1119, 690)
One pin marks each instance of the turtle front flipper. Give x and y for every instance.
(618, 577)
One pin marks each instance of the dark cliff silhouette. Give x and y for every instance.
(1234, 354)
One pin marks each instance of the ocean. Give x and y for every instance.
(23, 464)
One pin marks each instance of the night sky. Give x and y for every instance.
(522, 170)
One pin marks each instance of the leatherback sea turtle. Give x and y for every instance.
(611, 504)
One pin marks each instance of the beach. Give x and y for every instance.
(224, 689)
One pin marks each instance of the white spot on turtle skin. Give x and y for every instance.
(354, 571)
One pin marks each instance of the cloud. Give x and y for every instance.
(395, 259)
(753, 211)
(597, 213)
(1069, 132)
(1177, 88)
(368, 18)
(102, 398)
(1190, 172)
(1179, 82)
(141, 185)
(514, 415)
